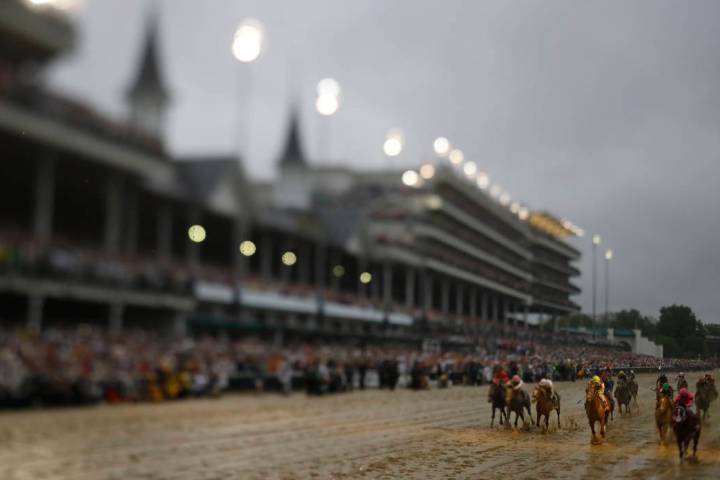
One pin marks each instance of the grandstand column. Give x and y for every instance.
(304, 264)
(484, 307)
(36, 307)
(180, 324)
(133, 219)
(459, 300)
(164, 231)
(409, 287)
(387, 285)
(427, 292)
(266, 250)
(495, 309)
(320, 265)
(473, 311)
(113, 213)
(117, 310)
(525, 316)
(44, 198)
(505, 311)
(445, 296)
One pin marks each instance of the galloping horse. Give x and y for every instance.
(519, 400)
(546, 402)
(497, 400)
(634, 391)
(687, 427)
(664, 417)
(597, 408)
(623, 395)
(706, 393)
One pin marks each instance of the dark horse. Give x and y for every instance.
(623, 395)
(497, 400)
(546, 402)
(704, 396)
(519, 400)
(687, 426)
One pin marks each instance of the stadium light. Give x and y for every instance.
(427, 171)
(248, 248)
(410, 178)
(338, 271)
(289, 258)
(483, 180)
(197, 233)
(609, 255)
(505, 199)
(365, 278)
(327, 105)
(248, 41)
(470, 169)
(495, 191)
(524, 213)
(59, 4)
(596, 240)
(393, 143)
(441, 145)
(456, 156)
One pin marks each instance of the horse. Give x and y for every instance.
(664, 417)
(623, 395)
(597, 408)
(497, 400)
(545, 402)
(687, 427)
(706, 393)
(634, 392)
(519, 400)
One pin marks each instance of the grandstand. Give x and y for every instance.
(94, 219)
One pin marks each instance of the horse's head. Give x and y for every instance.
(679, 414)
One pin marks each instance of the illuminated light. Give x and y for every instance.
(495, 191)
(427, 171)
(327, 104)
(505, 199)
(515, 207)
(248, 248)
(580, 232)
(393, 143)
(365, 278)
(434, 202)
(289, 258)
(483, 180)
(596, 240)
(609, 255)
(470, 169)
(441, 145)
(248, 40)
(523, 213)
(329, 87)
(197, 233)
(338, 271)
(456, 156)
(410, 178)
(59, 4)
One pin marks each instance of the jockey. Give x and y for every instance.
(516, 382)
(500, 379)
(662, 378)
(547, 384)
(666, 390)
(685, 398)
(632, 375)
(596, 383)
(681, 381)
(622, 377)
(606, 377)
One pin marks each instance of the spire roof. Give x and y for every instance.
(293, 154)
(149, 78)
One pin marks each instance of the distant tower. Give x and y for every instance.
(148, 96)
(293, 155)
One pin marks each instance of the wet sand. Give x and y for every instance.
(370, 434)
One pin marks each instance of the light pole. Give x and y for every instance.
(595, 242)
(247, 46)
(327, 104)
(608, 257)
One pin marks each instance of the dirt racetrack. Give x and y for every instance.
(370, 434)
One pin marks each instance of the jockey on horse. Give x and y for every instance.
(606, 377)
(500, 379)
(661, 381)
(681, 381)
(597, 406)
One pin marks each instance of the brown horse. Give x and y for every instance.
(597, 408)
(664, 417)
(623, 395)
(497, 400)
(704, 396)
(687, 426)
(545, 402)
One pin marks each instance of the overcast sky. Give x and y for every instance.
(603, 112)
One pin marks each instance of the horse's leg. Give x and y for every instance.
(592, 428)
(558, 415)
(680, 446)
(537, 414)
(492, 420)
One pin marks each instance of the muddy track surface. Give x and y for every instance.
(370, 434)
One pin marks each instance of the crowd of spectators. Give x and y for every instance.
(86, 364)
